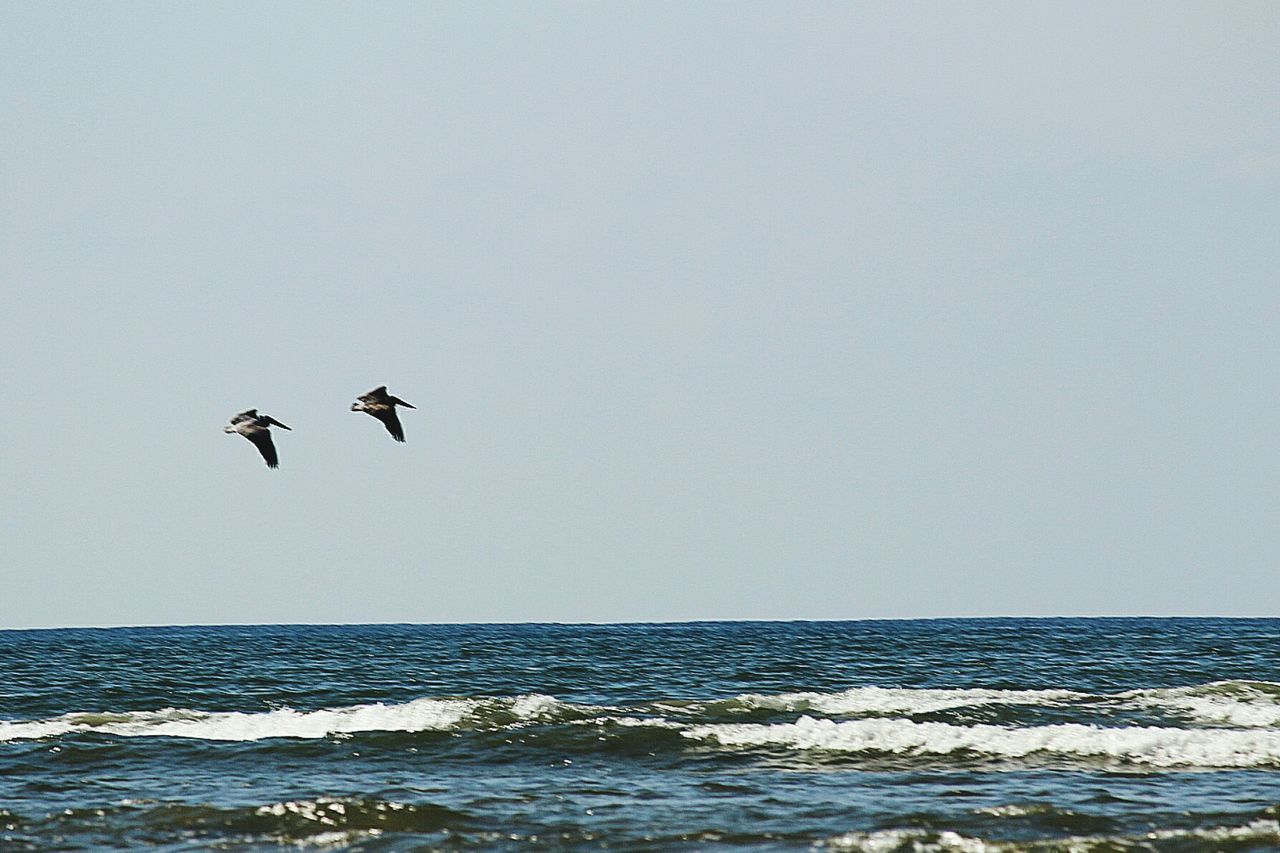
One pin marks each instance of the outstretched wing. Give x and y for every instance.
(390, 421)
(262, 440)
(246, 415)
(376, 395)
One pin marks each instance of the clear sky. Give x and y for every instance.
(709, 310)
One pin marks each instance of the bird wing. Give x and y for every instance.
(390, 421)
(262, 440)
(375, 396)
(246, 415)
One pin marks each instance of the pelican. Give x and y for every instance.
(382, 406)
(257, 428)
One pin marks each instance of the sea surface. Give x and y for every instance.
(949, 735)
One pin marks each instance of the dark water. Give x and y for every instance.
(971, 735)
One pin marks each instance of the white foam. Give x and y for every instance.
(335, 838)
(914, 840)
(1258, 830)
(861, 701)
(925, 841)
(329, 812)
(1242, 721)
(1240, 704)
(633, 722)
(416, 716)
(1019, 810)
(1244, 704)
(1148, 746)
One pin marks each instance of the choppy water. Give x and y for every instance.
(969, 735)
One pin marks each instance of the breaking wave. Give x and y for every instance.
(420, 715)
(1241, 704)
(322, 822)
(880, 701)
(1138, 745)
(1229, 724)
(1244, 704)
(1248, 836)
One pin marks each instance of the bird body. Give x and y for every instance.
(257, 428)
(382, 406)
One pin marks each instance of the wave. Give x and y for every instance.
(320, 822)
(1138, 745)
(1248, 836)
(1230, 723)
(338, 822)
(880, 701)
(1238, 704)
(419, 715)
(1244, 704)
(341, 821)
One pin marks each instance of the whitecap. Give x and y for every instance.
(1145, 746)
(926, 841)
(914, 840)
(419, 715)
(865, 701)
(1244, 704)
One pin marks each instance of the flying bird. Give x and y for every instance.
(382, 406)
(257, 428)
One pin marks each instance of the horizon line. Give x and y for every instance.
(621, 623)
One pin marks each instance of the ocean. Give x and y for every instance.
(947, 735)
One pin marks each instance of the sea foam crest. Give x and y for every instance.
(913, 840)
(927, 841)
(1239, 704)
(1244, 704)
(868, 701)
(428, 714)
(1149, 746)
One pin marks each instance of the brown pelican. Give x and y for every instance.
(382, 406)
(256, 428)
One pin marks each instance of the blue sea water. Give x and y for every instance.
(950, 735)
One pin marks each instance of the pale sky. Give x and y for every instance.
(709, 310)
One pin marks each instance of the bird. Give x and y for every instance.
(257, 428)
(382, 406)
